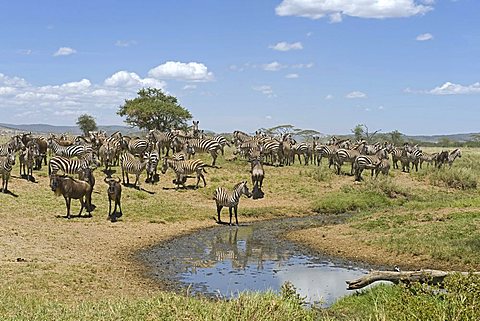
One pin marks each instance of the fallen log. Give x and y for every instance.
(431, 277)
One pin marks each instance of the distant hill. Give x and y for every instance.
(436, 138)
(44, 128)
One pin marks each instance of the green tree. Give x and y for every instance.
(361, 132)
(396, 138)
(153, 109)
(86, 123)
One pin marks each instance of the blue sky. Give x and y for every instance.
(410, 65)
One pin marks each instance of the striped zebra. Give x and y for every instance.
(427, 158)
(164, 139)
(273, 149)
(222, 141)
(153, 157)
(363, 162)
(383, 167)
(42, 148)
(68, 151)
(72, 165)
(223, 198)
(329, 150)
(132, 165)
(138, 146)
(299, 150)
(27, 159)
(13, 145)
(245, 148)
(6, 164)
(186, 153)
(184, 168)
(200, 145)
(410, 155)
(456, 153)
(240, 137)
(347, 156)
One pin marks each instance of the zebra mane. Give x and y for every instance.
(238, 184)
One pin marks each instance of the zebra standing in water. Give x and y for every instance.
(223, 198)
(6, 164)
(133, 165)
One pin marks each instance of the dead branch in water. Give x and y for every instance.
(423, 276)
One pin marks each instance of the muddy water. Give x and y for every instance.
(224, 261)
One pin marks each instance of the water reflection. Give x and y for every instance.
(238, 259)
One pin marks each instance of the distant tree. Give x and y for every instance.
(153, 109)
(307, 134)
(361, 132)
(396, 137)
(281, 130)
(445, 142)
(86, 123)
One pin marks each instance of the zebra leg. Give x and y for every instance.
(230, 212)
(137, 178)
(235, 208)
(219, 209)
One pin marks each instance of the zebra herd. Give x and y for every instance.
(176, 150)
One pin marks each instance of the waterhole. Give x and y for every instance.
(224, 261)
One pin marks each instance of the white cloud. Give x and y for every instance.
(12, 81)
(189, 87)
(285, 46)
(130, 79)
(356, 94)
(192, 71)
(449, 88)
(309, 33)
(7, 90)
(64, 51)
(335, 9)
(269, 117)
(25, 52)
(292, 76)
(273, 66)
(424, 37)
(329, 97)
(125, 43)
(302, 66)
(265, 89)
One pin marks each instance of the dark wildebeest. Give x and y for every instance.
(72, 188)
(114, 192)
(257, 177)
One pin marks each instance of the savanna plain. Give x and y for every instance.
(86, 268)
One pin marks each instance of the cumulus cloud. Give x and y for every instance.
(292, 76)
(130, 79)
(192, 71)
(376, 9)
(273, 66)
(64, 51)
(285, 46)
(449, 88)
(265, 89)
(424, 37)
(356, 94)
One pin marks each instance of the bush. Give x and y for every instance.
(455, 177)
(320, 174)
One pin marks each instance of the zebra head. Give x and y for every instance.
(243, 189)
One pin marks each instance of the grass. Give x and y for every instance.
(82, 268)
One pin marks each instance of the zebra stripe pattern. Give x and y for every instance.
(133, 165)
(223, 198)
(71, 166)
(69, 151)
(6, 164)
(184, 168)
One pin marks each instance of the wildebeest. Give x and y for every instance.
(72, 188)
(258, 175)
(114, 192)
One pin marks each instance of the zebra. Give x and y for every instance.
(383, 167)
(107, 154)
(362, 162)
(245, 148)
(27, 159)
(42, 146)
(347, 155)
(68, 151)
(186, 153)
(274, 149)
(6, 164)
(133, 165)
(138, 146)
(427, 158)
(183, 168)
(240, 137)
(223, 198)
(200, 145)
(72, 165)
(301, 149)
(410, 155)
(153, 157)
(164, 139)
(453, 155)
(15, 144)
(222, 141)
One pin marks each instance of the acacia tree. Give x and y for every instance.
(86, 123)
(153, 109)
